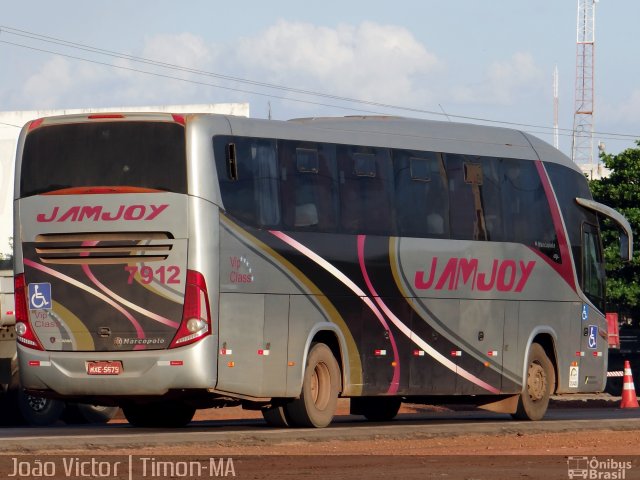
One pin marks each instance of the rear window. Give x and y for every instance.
(131, 154)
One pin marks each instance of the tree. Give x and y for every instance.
(621, 190)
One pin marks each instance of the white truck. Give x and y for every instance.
(16, 407)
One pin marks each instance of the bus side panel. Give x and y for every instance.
(482, 323)
(538, 318)
(593, 342)
(252, 358)
(512, 352)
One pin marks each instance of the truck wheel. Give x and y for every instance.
(320, 387)
(81, 413)
(540, 383)
(158, 415)
(39, 411)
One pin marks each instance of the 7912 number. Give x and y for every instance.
(162, 274)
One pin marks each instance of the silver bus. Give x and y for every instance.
(168, 263)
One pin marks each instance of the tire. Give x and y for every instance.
(159, 415)
(276, 417)
(377, 409)
(39, 411)
(83, 413)
(320, 387)
(541, 382)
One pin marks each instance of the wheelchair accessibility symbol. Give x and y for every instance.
(40, 296)
(592, 341)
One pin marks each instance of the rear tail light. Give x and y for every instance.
(196, 314)
(24, 330)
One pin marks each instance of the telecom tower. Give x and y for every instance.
(582, 148)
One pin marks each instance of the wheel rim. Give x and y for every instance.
(37, 404)
(321, 386)
(536, 382)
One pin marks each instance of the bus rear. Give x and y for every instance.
(106, 304)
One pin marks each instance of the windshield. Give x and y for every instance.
(122, 154)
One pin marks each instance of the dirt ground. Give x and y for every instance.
(585, 442)
(464, 456)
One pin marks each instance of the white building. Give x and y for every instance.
(12, 122)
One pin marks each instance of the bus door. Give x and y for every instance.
(593, 328)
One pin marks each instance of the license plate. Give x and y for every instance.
(104, 367)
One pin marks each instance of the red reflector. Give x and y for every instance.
(179, 119)
(34, 363)
(100, 116)
(176, 363)
(35, 124)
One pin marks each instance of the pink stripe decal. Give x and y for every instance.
(344, 279)
(421, 343)
(90, 290)
(123, 301)
(396, 321)
(395, 382)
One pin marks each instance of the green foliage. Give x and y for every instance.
(621, 190)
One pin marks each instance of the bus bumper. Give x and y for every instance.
(149, 373)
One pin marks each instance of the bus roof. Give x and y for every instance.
(381, 131)
(407, 133)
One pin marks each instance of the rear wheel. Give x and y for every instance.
(376, 409)
(80, 413)
(160, 414)
(541, 381)
(39, 411)
(320, 387)
(276, 416)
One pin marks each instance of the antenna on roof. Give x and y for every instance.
(446, 114)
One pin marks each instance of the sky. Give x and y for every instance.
(458, 60)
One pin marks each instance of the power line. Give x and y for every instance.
(146, 61)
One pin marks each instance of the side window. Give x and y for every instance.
(366, 190)
(491, 199)
(466, 177)
(526, 212)
(309, 185)
(592, 281)
(421, 198)
(248, 177)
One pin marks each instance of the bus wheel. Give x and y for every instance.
(81, 413)
(320, 387)
(376, 409)
(541, 381)
(276, 416)
(159, 414)
(39, 411)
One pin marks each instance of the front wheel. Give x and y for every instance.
(541, 382)
(320, 387)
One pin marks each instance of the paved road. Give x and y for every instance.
(252, 432)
